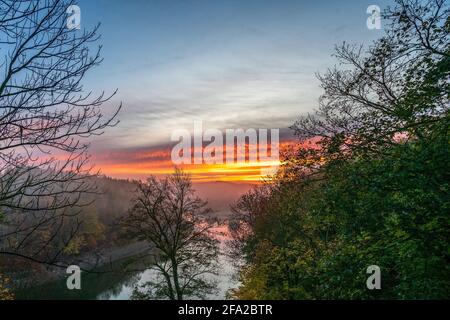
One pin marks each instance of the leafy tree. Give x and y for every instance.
(369, 183)
(399, 86)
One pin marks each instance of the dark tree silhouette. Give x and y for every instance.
(167, 214)
(398, 86)
(46, 117)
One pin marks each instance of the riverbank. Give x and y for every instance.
(102, 258)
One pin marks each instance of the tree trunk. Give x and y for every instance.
(169, 286)
(175, 279)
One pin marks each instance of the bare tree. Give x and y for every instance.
(46, 117)
(167, 214)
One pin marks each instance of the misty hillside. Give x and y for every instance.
(221, 194)
(116, 195)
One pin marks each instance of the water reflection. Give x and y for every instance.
(117, 285)
(124, 290)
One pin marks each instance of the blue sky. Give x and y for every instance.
(232, 64)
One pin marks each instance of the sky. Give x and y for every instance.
(230, 64)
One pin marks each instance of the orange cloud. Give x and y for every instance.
(157, 161)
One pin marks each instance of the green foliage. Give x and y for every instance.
(391, 211)
(375, 190)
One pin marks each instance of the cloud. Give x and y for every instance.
(139, 162)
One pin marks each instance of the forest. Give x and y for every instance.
(369, 184)
(365, 183)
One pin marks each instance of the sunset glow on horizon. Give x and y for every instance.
(157, 161)
(248, 65)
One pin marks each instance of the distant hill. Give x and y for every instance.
(221, 194)
(117, 194)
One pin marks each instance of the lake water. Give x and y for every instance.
(124, 290)
(116, 286)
